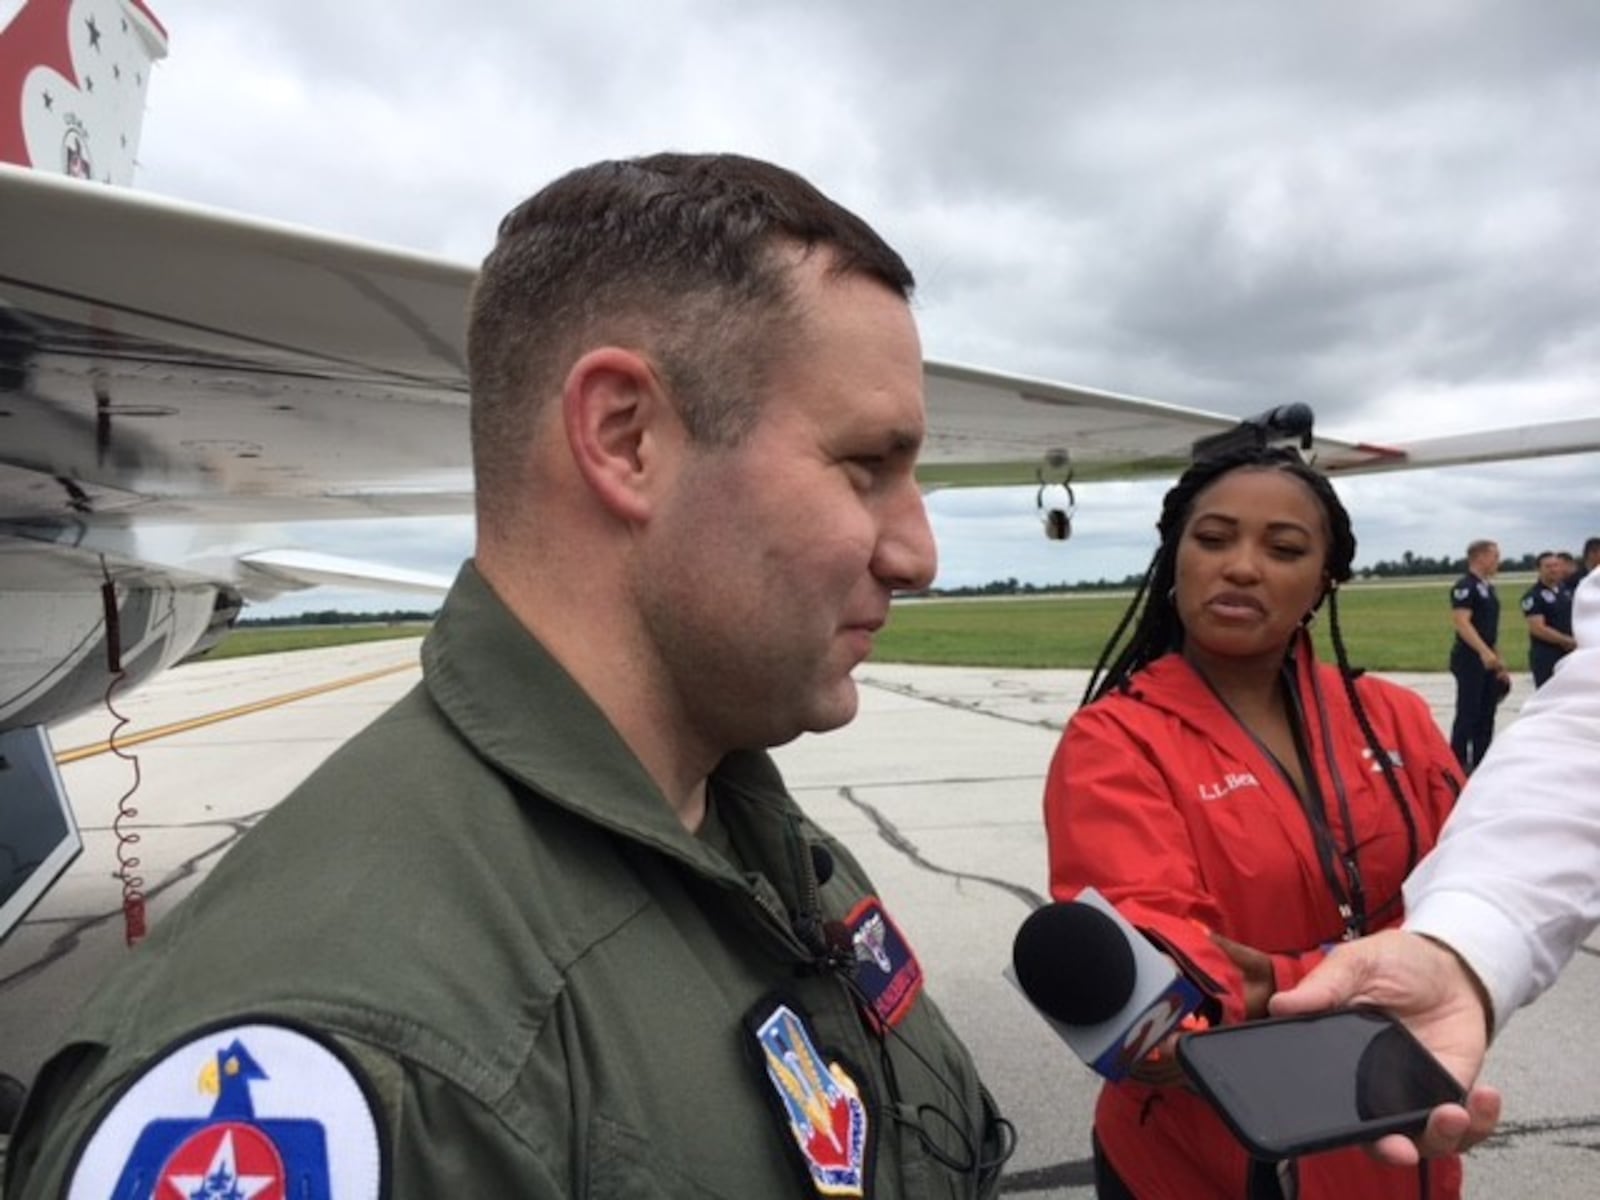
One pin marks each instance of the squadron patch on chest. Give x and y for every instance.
(256, 1111)
(887, 970)
(818, 1100)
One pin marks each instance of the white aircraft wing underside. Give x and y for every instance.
(986, 428)
(159, 362)
(162, 362)
(271, 572)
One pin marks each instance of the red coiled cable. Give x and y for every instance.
(134, 924)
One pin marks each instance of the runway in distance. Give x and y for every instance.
(177, 382)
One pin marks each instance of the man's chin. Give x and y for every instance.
(833, 707)
(818, 709)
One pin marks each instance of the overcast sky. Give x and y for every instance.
(1388, 210)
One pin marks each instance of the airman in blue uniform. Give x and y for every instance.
(1547, 607)
(1481, 677)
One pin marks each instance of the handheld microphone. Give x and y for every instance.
(1099, 983)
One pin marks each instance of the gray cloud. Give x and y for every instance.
(1386, 210)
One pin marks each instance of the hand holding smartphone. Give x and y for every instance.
(1296, 1085)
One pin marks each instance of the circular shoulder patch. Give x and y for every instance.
(254, 1111)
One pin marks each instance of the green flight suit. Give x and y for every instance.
(484, 900)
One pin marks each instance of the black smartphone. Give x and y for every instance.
(1296, 1085)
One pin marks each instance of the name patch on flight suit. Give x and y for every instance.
(818, 1101)
(887, 971)
(250, 1111)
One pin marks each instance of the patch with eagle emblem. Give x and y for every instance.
(887, 971)
(252, 1110)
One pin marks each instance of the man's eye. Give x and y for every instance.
(865, 467)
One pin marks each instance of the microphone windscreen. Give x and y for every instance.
(1074, 963)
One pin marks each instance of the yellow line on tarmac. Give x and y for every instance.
(227, 714)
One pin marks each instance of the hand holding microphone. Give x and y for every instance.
(1256, 968)
(1099, 983)
(1284, 1087)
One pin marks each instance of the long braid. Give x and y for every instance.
(1119, 670)
(1341, 553)
(1379, 755)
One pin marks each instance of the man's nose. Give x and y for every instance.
(907, 558)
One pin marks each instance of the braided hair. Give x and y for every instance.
(1157, 631)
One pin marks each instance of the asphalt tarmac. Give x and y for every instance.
(936, 787)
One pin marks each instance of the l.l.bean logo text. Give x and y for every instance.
(1231, 782)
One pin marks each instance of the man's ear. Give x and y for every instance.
(618, 421)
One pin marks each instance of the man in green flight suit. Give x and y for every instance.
(552, 926)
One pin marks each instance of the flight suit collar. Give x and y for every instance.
(520, 709)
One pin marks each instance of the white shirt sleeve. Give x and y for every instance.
(1514, 884)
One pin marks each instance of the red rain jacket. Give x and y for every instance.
(1161, 800)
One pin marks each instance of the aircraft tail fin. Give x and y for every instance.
(73, 78)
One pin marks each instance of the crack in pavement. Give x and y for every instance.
(1515, 1131)
(1073, 1173)
(970, 706)
(66, 942)
(891, 834)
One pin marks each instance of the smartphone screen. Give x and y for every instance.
(1299, 1084)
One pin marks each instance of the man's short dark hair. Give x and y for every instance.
(685, 257)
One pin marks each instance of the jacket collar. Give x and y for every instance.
(1172, 685)
(519, 709)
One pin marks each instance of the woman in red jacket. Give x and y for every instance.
(1243, 804)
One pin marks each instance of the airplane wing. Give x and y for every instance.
(166, 365)
(161, 362)
(164, 362)
(173, 379)
(270, 572)
(991, 429)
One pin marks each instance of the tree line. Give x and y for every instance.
(1408, 565)
(333, 616)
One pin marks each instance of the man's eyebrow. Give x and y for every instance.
(904, 441)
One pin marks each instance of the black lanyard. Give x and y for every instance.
(1350, 900)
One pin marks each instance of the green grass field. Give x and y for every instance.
(275, 640)
(1387, 627)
